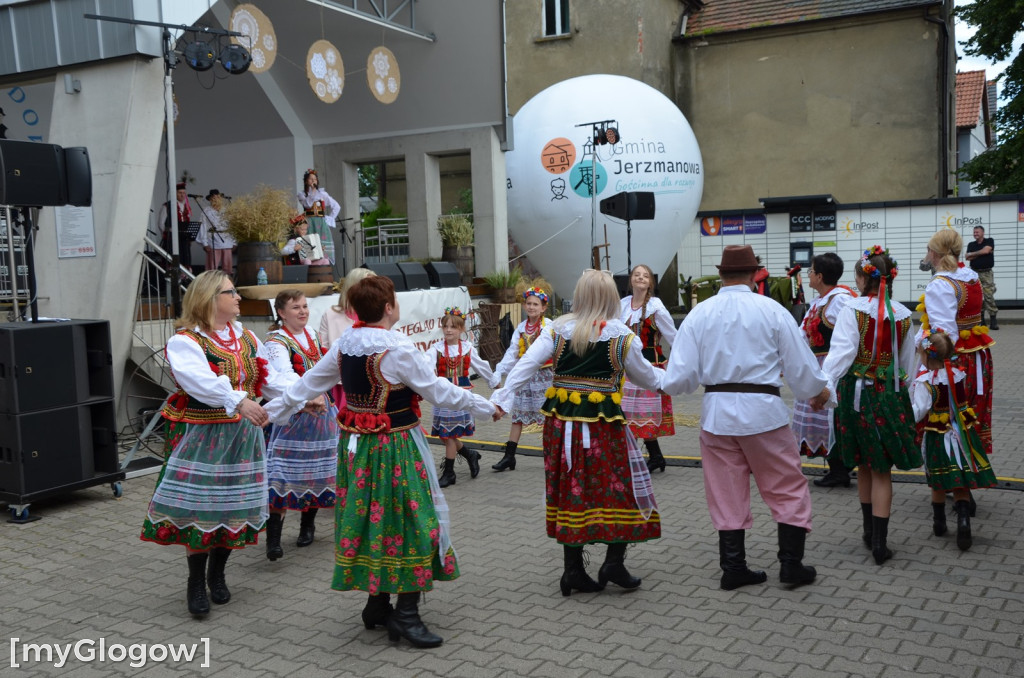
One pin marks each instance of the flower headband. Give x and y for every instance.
(927, 345)
(455, 311)
(536, 292)
(870, 269)
(311, 171)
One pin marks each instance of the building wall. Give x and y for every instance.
(620, 37)
(818, 108)
(970, 143)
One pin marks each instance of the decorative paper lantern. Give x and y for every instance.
(382, 75)
(257, 36)
(325, 71)
(551, 174)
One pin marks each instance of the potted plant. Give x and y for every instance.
(504, 284)
(259, 222)
(456, 231)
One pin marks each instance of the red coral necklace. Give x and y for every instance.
(450, 364)
(312, 353)
(233, 345)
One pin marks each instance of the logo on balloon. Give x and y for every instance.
(583, 177)
(558, 155)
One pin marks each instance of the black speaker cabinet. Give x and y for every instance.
(49, 365)
(443, 274)
(79, 176)
(633, 205)
(50, 449)
(390, 270)
(32, 174)
(416, 277)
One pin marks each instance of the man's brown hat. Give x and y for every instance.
(738, 258)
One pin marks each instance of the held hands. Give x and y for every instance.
(316, 407)
(253, 412)
(819, 401)
(498, 413)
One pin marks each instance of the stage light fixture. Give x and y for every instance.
(235, 59)
(605, 135)
(199, 55)
(611, 135)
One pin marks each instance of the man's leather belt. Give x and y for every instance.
(743, 388)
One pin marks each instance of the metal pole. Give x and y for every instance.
(172, 198)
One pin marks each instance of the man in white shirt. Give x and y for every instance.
(738, 345)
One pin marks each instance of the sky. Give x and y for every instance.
(969, 63)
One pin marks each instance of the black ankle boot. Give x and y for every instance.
(732, 557)
(837, 474)
(377, 611)
(274, 525)
(405, 622)
(447, 476)
(198, 603)
(307, 528)
(993, 324)
(614, 569)
(219, 592)
(865, 510)
(939, 518)
(655, 459)
(879, 535)
(509, 460)
(791, 555)
(973, 504)
(575, 576)
(472, 458)
(963, 525)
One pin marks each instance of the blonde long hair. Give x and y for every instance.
(354, 276)
(595, 300)
(948, 244)
(199, 305)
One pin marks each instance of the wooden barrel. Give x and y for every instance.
(252, 256)
(321, 274)
(463, 259)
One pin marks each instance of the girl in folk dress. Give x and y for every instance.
(320, 209)
(953, 451)
(302, 456)
(525, 409)
(871, 357)
(454, 357)
(649, 413)
(597, 486)
(339, 318)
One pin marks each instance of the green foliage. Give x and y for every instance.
(465, 205)
(999, 169)
(382, 211)
(456, 230)
(504, 279)
(369, 176)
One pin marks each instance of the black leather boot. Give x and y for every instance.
(509, 460)
(472, 458)
(198, 602)
(655, 459)
(791, 555)
(993, 324)
(307, 528)
(973, 504)
(614, 569)
(865, 510)
(575, 576)
(939, 518)
(732, 557)
(447, 476)
(837, 474)
(274, 525)
(879, 536)
(219, 592)
(405, 622)
(963, 525)
(377, 611)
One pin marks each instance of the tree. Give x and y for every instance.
(1000, 168)
(368, 179)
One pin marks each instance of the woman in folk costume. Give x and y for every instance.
(813, 428)
(954, 455)
(339, 318)
(454, 358)
(392, 529)
(597, 486)
(320, 209)
(649, 413)
(211, 496)
(302, 456)
(530, 397)
(871, 356)
(953, 303)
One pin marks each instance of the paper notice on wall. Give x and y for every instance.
(76, 235)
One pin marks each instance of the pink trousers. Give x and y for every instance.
(219, 259)
(774, 459)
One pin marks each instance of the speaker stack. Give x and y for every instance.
(57, 415)
(39, 175)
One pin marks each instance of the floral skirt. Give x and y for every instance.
(452, 424)
(813, 429)
(391, 519)
(881, 434)
(594, 499)
(973, 364)
(212, 489)
(302, 460)
(950, 467)
(319, 226)
(530, 398)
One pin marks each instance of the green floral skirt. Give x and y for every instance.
(881, 434)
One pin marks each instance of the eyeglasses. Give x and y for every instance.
(233, 292)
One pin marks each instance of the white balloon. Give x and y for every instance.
(549, 176)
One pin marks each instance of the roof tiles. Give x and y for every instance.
(720, 16)
(970, 88)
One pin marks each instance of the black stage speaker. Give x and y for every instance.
(416, 277)
(629, 206)
(79, 176)
(443, 274)
(390, 270)
(32, 174)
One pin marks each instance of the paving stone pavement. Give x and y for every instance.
(81, 574)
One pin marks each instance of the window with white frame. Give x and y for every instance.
(556, 17)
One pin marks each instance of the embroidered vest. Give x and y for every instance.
(863, 365)
(819, 330)
(454, 369)
(938, 419)
(969, 300)
(297, 358)
(647, 329)
(372, 405)
(526, 340)
(588, 387)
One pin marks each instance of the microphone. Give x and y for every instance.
(193, 195)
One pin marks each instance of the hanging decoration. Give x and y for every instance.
(257, 36)
(382, 75)
(325, 71)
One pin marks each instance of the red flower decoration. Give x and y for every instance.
(298, 364)
(261, 379)
(414, 404)
(812, 328)
(215, 367)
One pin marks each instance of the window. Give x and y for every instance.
(556, 17)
